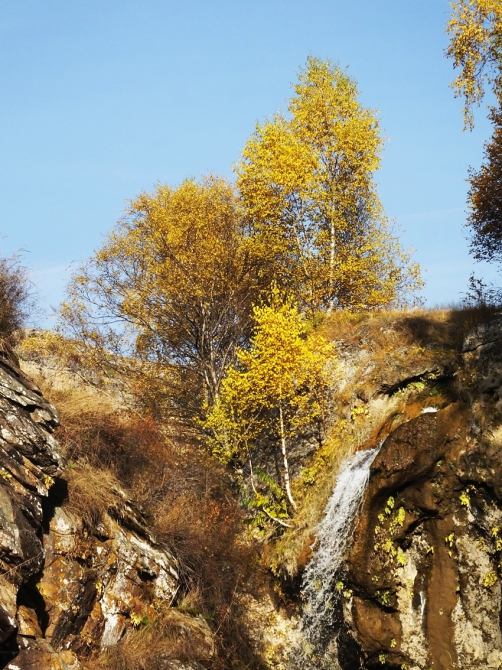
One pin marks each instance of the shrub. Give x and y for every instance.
(16, 299)
(159, 645)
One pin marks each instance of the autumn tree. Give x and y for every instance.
(172, 287)
(274, 390)
(306, 179)
(485, 198)
(475, 31)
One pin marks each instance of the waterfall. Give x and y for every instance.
(319, 590)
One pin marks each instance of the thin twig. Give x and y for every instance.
(16, 567)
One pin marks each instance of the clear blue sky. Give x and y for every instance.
(103, 99)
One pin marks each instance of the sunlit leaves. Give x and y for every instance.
(173, 286)
(275, 389)
(307, 183)
(475, 30)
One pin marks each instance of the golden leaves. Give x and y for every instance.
(307, 185)
(475, 30)
(282, 367)
(172, 286)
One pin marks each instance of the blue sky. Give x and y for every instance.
(101, 100)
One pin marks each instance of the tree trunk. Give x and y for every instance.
(285, 459)
(331, 264)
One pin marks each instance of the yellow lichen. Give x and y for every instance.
(388, 547)
(401, 558)
(464, 499)
(390, 506)
(398, 520)
(489, 579)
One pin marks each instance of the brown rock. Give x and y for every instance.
(27, 622)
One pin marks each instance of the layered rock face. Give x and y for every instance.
(423, 574)
(66, 591)
(29, 462)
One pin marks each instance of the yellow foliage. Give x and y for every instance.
(475, 30)
(307, 184)
(489, 579)
(172, 286)
(275, 387)
(464, 499)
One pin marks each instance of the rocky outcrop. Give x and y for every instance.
(423, 575)
(67, 590)
(421, 585)
(29, 462)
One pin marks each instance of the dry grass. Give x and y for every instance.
(91, 492)
(442, 327)
(191, 508)
(160, 645)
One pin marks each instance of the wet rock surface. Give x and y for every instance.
(423, 573)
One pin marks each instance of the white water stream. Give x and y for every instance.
(333, 536)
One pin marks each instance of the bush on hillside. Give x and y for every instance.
(16, 300)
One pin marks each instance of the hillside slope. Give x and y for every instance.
(124, 547)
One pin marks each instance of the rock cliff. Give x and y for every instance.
(66, 591)
(422, 578)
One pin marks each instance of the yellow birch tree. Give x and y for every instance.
(172, 287)
(274, 390)
(307, 183)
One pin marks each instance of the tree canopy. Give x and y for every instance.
(173, 285)
(306, 180)
(485, 198)
(475, 30)
(172, 288)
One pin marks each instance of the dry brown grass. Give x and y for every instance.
(441, 327)
(190, 506)
(92, 492)
(160, 645)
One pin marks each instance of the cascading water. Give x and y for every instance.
(333, 536)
